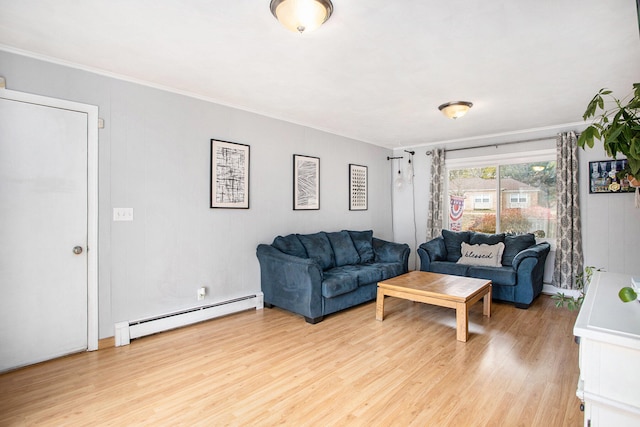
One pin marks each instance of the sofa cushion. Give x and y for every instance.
(503, 276)
(362, 242)
(337, 282)
(290, 245)
(365, 273)
(318, 248)
(486, 239)
(388, 269)
(514, 244)
(453, 242)
(343, 248)
(486, 255)
(446, 267)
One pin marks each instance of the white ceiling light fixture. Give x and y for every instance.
(301, 15)
(455, 109)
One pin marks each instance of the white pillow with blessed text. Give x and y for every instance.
(483, 254)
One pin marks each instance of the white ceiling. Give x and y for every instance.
(375, 72)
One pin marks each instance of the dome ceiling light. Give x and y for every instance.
(301, 15)
(455, 109)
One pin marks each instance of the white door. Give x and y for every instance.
(43, 233)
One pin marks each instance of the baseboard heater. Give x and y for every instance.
(126, 331)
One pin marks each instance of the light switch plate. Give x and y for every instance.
(123, 214)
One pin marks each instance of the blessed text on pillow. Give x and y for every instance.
(483, 254)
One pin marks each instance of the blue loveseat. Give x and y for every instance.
(318, 274)
(519, 262)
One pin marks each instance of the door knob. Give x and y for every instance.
(77, 250)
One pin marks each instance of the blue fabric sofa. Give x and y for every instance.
(318, 274)
(518, 276)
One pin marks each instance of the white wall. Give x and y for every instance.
(154, 157)
(611, 223)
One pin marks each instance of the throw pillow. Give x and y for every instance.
(453, 241)
(514, 244)
(482, 255)
(290, 245)
(343, 248)
(362, 241)
(319, 248)
(486, 239)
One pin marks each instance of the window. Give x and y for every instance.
(518, 200)
(482, 201)
(518, 197)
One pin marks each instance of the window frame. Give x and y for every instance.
(528, 156)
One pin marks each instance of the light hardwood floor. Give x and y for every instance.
(268, 367)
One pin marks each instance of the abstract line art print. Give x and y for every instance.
(229, 175)
(357, 187)
(306, 182)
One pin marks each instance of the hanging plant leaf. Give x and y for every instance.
(617, 128)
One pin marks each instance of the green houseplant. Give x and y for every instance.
(582, 282)
(617, 125)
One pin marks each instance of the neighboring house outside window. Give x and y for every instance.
(526, 202)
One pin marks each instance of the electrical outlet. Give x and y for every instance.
(123, 214)
(201, 293)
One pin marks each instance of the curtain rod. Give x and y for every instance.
(428, 153)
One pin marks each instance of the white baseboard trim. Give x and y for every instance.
(548, 289)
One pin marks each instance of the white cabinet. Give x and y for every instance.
(609, 332)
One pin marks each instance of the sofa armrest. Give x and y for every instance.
(433, 250)
(391, 252)
(529, 266)
(539, 251)
(290, 282)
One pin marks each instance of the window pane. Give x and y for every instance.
(473, 199)
(528, 198)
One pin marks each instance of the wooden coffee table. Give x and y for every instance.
(438, 289)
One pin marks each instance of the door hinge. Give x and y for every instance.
(100, 123)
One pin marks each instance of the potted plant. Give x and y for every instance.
(582, 283)
(617, 126)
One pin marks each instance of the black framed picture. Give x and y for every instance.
(229, 175)
(306, 182)
(603, 177)
(357, 187)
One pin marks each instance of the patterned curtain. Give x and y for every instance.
(569, 257)
(436, 202)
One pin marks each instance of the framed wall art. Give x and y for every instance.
(306, 182)
(603, 179)
(357, 187)
(229, 179)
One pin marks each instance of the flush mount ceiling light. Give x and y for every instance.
(456, 109)
(301, 15)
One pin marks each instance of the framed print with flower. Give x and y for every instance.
(229, 176)
(357, 187)
(306, 182)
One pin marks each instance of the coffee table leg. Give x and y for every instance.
(380, 305)
(486, 304)
(462, 322)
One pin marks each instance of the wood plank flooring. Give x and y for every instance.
(269, 367)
